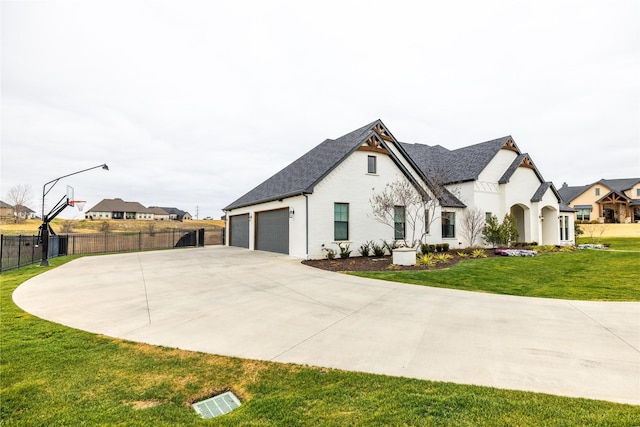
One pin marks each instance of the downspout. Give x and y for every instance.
(306, 213)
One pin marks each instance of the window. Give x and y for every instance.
(597, 191)
(398, 223)
(448, 225)
(427, 223)
(487, 216)
(371, 164)
(341, 221)
(564, 227)
(638, 192)
(584, 214)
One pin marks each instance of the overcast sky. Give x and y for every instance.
(193, 103)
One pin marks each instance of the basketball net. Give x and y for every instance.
(78, 204)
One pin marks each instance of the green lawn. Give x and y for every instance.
(52, 375)
(616, 243)
(582, 275)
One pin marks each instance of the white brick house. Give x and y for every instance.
(323, 198)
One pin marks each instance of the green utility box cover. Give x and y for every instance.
(217, 405)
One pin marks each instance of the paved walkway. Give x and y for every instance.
(267, 306)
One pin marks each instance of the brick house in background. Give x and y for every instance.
(605, 201)
(120, 209)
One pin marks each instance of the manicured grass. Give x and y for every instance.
(616, 243)
(57, 376)
(581, 275)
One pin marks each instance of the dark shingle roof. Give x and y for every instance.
(450, 166)
(118, 205)
(436, 163)
(303, 174)
(569, 193)
(537, 196)
(619, 185)
(171, 211)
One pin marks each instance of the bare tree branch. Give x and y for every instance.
(471, 225)
(19, 196)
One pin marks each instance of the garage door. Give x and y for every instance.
(272, 232)
(239, 230)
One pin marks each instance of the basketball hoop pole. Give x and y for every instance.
(45, 228)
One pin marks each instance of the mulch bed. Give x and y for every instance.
(374, 263)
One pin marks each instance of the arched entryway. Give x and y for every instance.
(521, 214)
(548, 226)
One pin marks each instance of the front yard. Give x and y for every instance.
(57, 376)
(595, 275)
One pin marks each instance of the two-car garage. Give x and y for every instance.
(271, 231)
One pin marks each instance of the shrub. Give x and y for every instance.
(344, 251)
(438, 247)
(425, 260)
(67, 227)
(445, 247)
(389, 246)
(365, 249)
(331, 253)
(463, 254)
(378, 250)
(479, 253)
(442, 257)
(105, 227)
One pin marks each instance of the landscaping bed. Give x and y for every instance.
(381, 263)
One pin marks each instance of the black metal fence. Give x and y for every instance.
(17, 251)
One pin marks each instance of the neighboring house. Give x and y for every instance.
(119, 209)
(176, 214)
(158, 213)
(323, 198)
(605, 201)
(24, 212)
(6, 210)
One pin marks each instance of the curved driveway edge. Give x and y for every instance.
(266, 306)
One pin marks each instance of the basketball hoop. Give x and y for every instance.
(78, 204)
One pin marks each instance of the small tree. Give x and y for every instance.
(401, 193)
(577, 230)
(500, 234)
(471, 225)
(491, 231)
(508, 229)
(19, 196)
(595, 232)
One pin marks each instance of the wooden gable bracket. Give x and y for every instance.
(373, 144)
(382, 132)
(510, 145)
(614, 198)
(527, 163)
(373, 141)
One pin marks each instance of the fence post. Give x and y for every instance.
(33, 249)
(19, 249)
(139, 241)
(201, 237)
(1, 250)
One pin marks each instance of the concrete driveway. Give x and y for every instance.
(266, 306)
